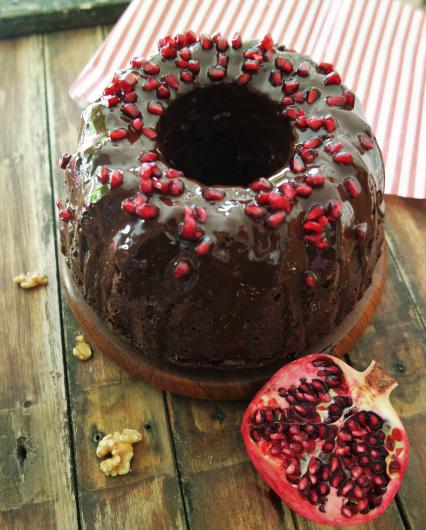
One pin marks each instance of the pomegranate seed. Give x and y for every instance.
(181, 269)
(288, 190)
(222, 59)
(149, 156)
(146, 185)
(116, 179)
(163, 91)
(180, 63)
(176, 187)
(290, 87)
(128, 205)
(366, 142)
(318, 241)
(64, 160)
(255, 211)
(315, 122)
(206, 42)
(190, 37)
(172, 173)
(297, 165)
(146, 170)
(312, 95)
(211, 194)
(292, 112)
(352, 187)
(168, 52)
(302, 190)
(275, 77)
(267, 42)
(151, 84)
(284, 64)
(262, 198)
(201, 214)
(311, 279)
(185, 54)
(251, 66)
(286, 101)
(137, 124)
(336, 101)
(315, 181)
(131, 97)
(325, 67)
(315, 212)
(333, 147)
(155, 108)
(329, 123)
(149, 133)
(203, 247)
(350, 99)
(299, 97)
(216, 73)
(301, 122)
(194, 66)
(65, 215)
(261, 184)
(165, 40)
(313, 142)
(221, 44)
(313, 226)
(304, 69)
(118, 134)
(150, 68)
(236, 41)
(242, 79)
(161, 186)
(334, 210)
(129, 80)
(131, 110)
(170, 80)
(333, 78)
(360, 231)
(343, 157)
(275, 219)
(136, 62)
(188, 229)
(279, 202)
(103, 175)
(186, 76)
(110, 101)
(308, 155)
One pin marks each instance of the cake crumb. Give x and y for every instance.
(81, 349)
(119, 445)
(30, 279)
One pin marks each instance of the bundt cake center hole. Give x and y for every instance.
(225, 135)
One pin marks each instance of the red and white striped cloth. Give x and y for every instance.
(378, 46)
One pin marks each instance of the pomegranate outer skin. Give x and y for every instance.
(269, 467)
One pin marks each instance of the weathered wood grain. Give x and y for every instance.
(406, 236)
(222, 490)
(35, 460)
(103, 397)
(22, 18)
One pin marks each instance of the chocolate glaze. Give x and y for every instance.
(245, 303)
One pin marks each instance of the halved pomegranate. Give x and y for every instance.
(327, 440)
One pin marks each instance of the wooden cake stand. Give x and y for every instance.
(212, 383)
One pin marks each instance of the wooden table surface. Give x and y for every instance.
(191, 470)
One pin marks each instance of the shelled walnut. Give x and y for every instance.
(30, 280)
(119, 445)
(81, 349)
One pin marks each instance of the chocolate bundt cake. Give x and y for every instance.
(225, 202)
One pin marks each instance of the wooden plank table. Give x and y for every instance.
(191, 470)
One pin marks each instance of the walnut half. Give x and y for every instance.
(30, 280)
(81, 349)
(119, 445)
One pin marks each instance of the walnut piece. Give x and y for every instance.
(30, 280)
(120, 446)
(81, 349)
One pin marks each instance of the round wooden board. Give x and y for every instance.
(210, 383)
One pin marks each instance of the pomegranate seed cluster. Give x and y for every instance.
(322, 173)
(326, 444)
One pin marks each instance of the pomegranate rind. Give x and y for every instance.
(370, 391)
